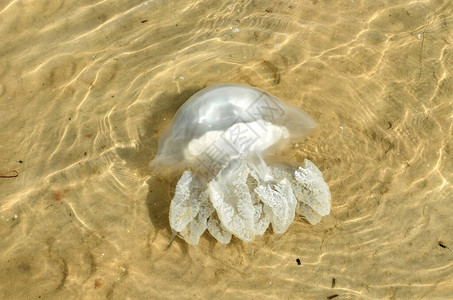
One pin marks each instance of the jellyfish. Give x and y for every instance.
(222, 137)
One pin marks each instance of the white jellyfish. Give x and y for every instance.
(220, 137)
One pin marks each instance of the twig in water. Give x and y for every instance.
(3, 175)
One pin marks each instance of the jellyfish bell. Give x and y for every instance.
(246, 119)
(221, 137)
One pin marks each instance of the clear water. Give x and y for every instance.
(87, 88)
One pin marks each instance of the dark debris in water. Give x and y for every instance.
(441, 244)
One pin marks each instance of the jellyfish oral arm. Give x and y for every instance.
(228, 206)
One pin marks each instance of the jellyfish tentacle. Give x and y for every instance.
(261, 217)
(196, 227)
(230, 196)
(309, 213)
(313, 187)
(279, 202)
(183, 207)
(217, 230)
(257, 164)
(190, 208)
(309, 188)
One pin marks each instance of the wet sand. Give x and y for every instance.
(87, 88)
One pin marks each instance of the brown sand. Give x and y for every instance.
(86, 89)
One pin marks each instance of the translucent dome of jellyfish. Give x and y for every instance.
(221, 137)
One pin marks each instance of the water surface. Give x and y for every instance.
(87, 88)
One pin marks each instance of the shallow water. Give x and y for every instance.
(87, 88)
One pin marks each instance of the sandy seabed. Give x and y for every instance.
(86, 89)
